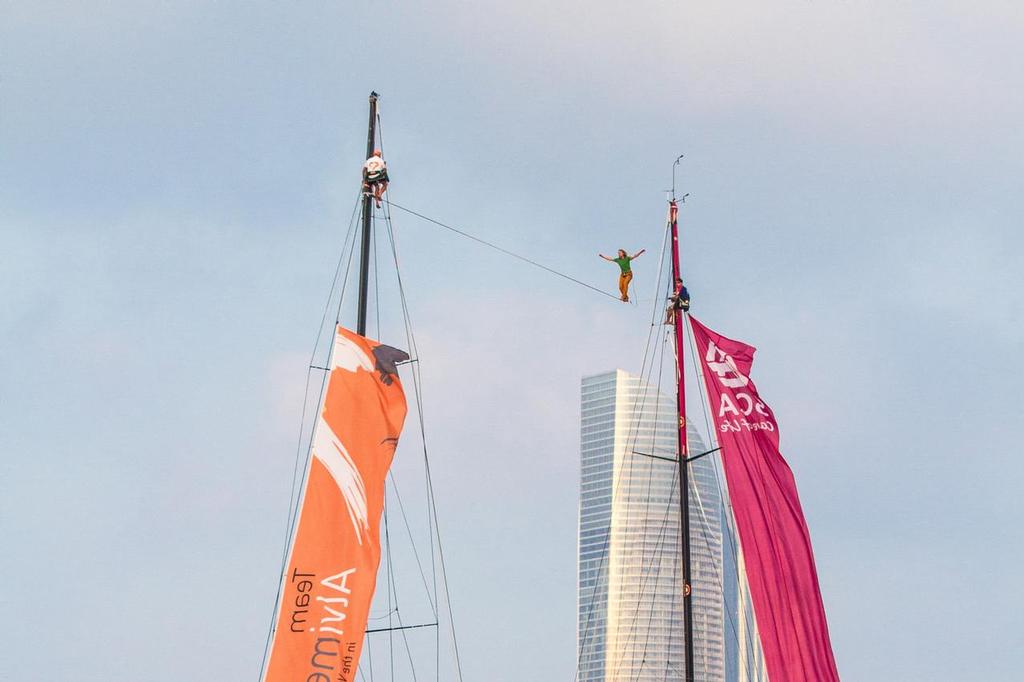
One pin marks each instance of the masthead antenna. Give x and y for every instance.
(678, 159)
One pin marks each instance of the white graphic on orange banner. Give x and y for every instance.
(332, 569)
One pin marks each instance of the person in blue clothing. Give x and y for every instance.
(679, 300)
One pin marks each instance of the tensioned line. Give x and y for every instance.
(501, 249)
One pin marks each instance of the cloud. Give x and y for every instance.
(178, 179)
(868, 69)
(964, 271)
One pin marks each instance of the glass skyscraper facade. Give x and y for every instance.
(744, 658)
(630, 607)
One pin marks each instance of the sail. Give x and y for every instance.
(331, 571)
(775, 542)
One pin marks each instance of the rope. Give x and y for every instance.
(502, 250)
(659, 542)
(412, 543)
(632, 436)
(432, 527)
(705, 527)
(342, 271)
(369, 655)
(394, 611)
(726, 499)
(433, 599)
(294, 498)
(376, 273)
(431, 499)
(718, 576)
(392, 605)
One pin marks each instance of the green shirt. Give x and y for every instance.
(623, 263)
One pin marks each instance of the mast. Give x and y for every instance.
(364, 254)
(684, 451)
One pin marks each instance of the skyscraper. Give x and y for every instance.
(630, 607)
(744, 658)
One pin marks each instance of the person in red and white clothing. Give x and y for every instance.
(375, 176)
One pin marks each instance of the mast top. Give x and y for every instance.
(676, 163)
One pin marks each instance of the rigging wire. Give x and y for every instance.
(395, 612)
(622, 472)
(627, 469)
(432, 525)
(659, 542)
(723, 488)
(435, 536)
(293, 497)
(391, 607)
(657, 549)
(381, 617)
(431, 509)
(616, 483)
(718, 575)
(376, 272)
(705, 527)
(432, 516)
(412, 542)
(392, 585)
(369, 655)
(390, 203)
(346, 258)
(350, 247)
(501, 249)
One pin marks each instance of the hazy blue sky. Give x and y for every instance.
(175, 183)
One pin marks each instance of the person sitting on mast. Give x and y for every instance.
(626, 276)
(679, 300)
(375, 176)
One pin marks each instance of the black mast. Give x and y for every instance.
(684, 450)
(364, 254)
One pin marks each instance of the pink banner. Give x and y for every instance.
(773, 534)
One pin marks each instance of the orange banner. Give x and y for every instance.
(332, 567)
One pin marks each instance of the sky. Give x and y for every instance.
(176, 183)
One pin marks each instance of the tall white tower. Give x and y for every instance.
(630, 615)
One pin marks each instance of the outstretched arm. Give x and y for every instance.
(605, 257)
(638, 253)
